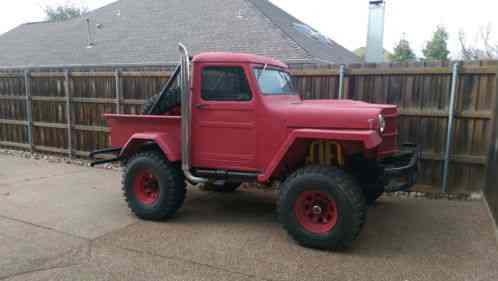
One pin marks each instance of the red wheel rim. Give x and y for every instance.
(316, 211)
(146, 187)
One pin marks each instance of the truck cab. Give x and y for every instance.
(237, 118)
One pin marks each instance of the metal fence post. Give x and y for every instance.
(342, 73)
(451, 117)
(119, 96)
(68, 113)
(29, 113)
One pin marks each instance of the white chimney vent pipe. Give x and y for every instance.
(375, 38)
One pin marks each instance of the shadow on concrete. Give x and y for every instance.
(394, 227)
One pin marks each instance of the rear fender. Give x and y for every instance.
(168, 144)
(368, 138)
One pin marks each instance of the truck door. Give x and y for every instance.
(223, 118)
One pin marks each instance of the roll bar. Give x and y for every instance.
(164, 91)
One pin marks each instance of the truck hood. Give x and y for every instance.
(336, 114)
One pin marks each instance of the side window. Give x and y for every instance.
(225, 84)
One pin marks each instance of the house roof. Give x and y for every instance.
(147, 31)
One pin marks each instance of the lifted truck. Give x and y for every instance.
(236, 118)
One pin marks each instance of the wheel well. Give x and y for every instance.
(318, 152)
(325, 152)
(140, 146)
(366, 170)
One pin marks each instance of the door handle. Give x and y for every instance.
(201, 106)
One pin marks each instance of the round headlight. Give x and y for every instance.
(382, 123)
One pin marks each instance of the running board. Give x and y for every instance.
(227, 175)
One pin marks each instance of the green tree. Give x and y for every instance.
(64, 12)
(437, 48)
(403, 52)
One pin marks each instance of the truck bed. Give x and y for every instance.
(132, 124)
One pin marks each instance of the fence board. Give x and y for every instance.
(13, 133)
(491, 189)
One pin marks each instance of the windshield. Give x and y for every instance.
(274, 81)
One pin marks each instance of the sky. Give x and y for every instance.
(343, 21)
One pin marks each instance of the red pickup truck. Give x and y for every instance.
(237, 118)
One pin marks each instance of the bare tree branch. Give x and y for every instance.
(491, 49)
(488, 50)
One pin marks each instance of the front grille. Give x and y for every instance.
(389, 143)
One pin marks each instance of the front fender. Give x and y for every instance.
(170, 145)
(369, 138)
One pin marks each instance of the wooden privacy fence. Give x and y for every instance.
(59, 109)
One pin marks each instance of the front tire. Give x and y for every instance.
(373, 192)
(322, 207)
(153, 187)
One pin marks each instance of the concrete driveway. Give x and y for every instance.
(68, 222)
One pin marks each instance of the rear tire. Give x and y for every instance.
(153, 187)
(322, 207)
(170, 101)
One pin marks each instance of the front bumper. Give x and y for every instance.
(400, 170)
